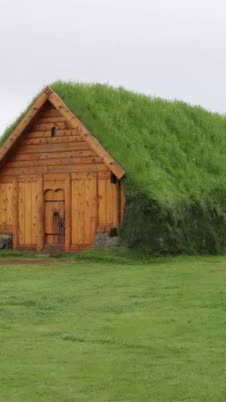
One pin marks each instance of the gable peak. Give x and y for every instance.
(48, 91)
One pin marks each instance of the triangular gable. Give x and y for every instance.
(22, 125)
(56, 101)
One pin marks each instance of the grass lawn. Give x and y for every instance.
(115, 330)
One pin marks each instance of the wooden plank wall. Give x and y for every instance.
(6, 205)
(108, 203)
(28, 195)
(93, 203)
(84, 209)
(39, 153)
(57, 203)
(95, 207)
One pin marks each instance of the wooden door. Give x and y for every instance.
(84, 210)
(54, 218)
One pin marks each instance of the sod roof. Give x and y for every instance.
(171, 151)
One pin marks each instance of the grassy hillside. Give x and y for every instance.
(174, 156)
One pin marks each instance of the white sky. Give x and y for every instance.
(167, 48)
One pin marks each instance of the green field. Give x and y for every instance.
(113, 329)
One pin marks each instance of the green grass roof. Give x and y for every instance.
(171, 151)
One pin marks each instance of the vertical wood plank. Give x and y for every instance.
(34, 212)
(87, 208)
(94, 209)
(75, 211)
(3, 204)
(91, 209)
(15, 211)
(82, 211)
(67, 213)
(109, 199)
(21, 214)
(40, 214)
(101, 201)
(115, 205)
(27, 213)
(122, 201)
(7, 203)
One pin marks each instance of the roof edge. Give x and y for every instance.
(58, 103)
(23, 123)
(49, 94)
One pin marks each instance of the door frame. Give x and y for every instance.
(65, 180)
(54, 217)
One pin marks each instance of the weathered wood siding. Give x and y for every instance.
(6, 205)
(39, 170)
(84, 209)
(28, 194)
(39, 153)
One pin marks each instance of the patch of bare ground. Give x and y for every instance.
(31, 261)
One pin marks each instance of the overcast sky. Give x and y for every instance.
(167, 48)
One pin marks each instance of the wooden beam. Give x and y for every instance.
(46, 133)
(54, 140)
(53, 162)
(68, 213)
(122, 202)
(63, 147)
(47, 126)
(37, 170)
(20, 156)
(21, 126)
(40, 220)
(15, 212)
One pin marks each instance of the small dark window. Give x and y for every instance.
(113, 178)
(53, 132)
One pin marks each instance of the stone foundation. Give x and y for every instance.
(104, 240)
(5, 241)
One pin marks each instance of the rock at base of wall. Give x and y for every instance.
(103, 240)
(5, 241)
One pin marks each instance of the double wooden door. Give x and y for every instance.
(40, 202)
(57, 212)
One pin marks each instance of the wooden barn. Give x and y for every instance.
(59, 187)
